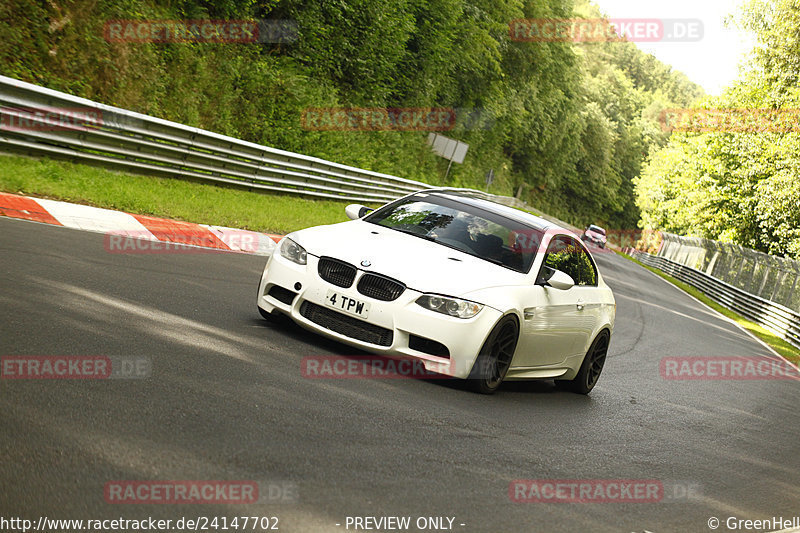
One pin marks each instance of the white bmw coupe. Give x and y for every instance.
(472, 289)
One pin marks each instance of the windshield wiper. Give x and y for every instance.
(493, 260)
(420, 235)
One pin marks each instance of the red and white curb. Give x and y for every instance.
(122, 229)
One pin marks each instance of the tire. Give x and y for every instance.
(495, 357)
(265, 315)
(591, 368)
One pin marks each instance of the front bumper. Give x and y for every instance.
(597, 242)
(392, 328)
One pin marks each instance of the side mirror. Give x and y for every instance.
(556, 279)
(356, 211)
(561, 281)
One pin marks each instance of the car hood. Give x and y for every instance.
(422, 265)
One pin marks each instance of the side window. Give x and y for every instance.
(560, 256)
(588, 271)
(566, 255)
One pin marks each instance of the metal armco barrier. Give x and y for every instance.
(771, 277)
(36, 121)
(778, 319)
(40, 122)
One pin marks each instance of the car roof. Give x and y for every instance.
(476, 199)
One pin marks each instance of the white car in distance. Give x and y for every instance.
(471, 288)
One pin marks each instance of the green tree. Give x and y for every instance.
(738, 186)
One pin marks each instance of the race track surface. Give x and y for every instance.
(226, 401)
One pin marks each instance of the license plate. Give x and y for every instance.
(347, 304)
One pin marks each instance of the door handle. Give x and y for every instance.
(581, 304)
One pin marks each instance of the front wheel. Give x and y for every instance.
(591, 368)
(495, 357)
(265, 315)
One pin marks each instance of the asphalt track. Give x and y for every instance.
(226, 401)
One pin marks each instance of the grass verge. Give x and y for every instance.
(778, 344)
(165, 197)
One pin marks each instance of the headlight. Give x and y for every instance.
(449, 306)
(293, 252)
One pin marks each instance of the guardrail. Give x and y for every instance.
(37, 121)
(777, 318)
(768, 276)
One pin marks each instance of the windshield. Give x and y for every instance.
(471, 230)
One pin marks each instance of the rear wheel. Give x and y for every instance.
(495, 357)
(591, 368)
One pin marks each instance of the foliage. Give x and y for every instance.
(738, 186)
(564, 126)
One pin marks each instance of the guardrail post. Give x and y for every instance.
(789, 301)
(778, 284)
(767, 270)
(714, 258)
